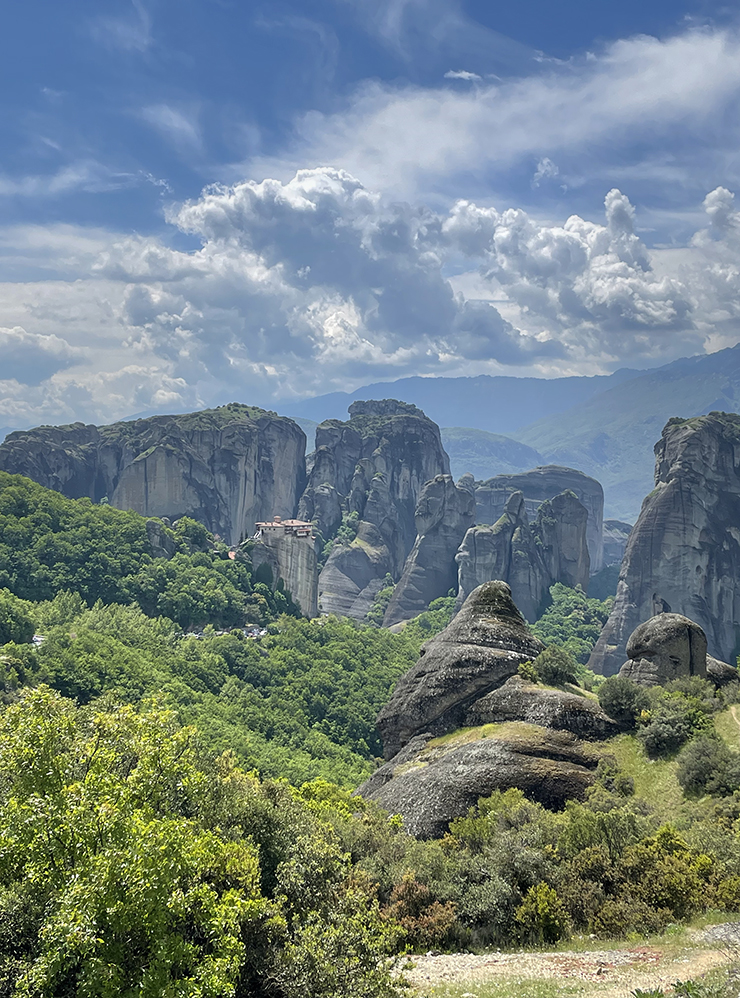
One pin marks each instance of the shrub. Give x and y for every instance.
(707, 766)
(527, 671)
(542, 917)
(426, 922)
(619, 917)
(622, 699)
(15, 621)
(555, 666)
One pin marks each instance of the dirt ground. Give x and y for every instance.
(607, 973)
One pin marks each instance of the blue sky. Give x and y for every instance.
(404, 187)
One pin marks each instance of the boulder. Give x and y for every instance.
(443, 514)
(227, 467)
(520, 700)
(479, 650)
(670, 646)
(539, 485)
(684, 550)
(429, 785)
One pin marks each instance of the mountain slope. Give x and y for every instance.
(486, 454)
(495, 404)
(611, 435)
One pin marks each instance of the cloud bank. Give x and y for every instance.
(320, 282)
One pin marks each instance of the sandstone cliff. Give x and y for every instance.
(227, 467)
(538, 485)
(670, 646)
(443, 515)
(292, 559)
(374, 465)
(683, 554)
(529, 558)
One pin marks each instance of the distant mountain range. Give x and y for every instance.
(605, 426)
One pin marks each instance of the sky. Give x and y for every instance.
(213, 200)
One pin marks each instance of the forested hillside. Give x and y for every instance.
(178, 749)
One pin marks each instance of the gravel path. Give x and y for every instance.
(606, 973)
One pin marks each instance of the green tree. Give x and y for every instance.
(16, 623)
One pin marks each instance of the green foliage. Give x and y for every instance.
(129, 865)
(16, 623)
(542, 916)
(676, 713)
(622, 699)
(299, 702)
(707, 766)
(555, 666)
(528, 672)
(380, 604)
(572, 621)
(346, 533)
(431, 622)
(50, 544)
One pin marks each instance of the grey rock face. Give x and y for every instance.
(227, 467)
(376, 463)
(481, 648)
(529, 559)
(670, 646)
(684, 550)
(616, 535)
(519, 700)
(292, 559)
(429, 786)
(545, 483)
(443, 514)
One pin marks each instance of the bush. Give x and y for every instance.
(528, 672)
(707, 766)
(555, 666)
(620, 917)
(622, 699)
(542, 917)
(426, 922)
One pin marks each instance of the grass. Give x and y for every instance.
(655, 779)
(727, 725)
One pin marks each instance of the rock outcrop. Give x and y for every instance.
(429, 785)
(376, 465)
(443, 515)
(616, 534)
(538, 485)
(516, 734)
(684, 551)
(227, 467)
(479, 650)
(520, 700)
(292, 559)
(529, 559)
(670, 646)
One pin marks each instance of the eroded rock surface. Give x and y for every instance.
(670, 646)
(520, 700)
(529, 558)
(481, 648)
(430, 785)
(684, 550)
(443, 515)
(374, 465)
(227, 467)
(616, 535)
(539, 485)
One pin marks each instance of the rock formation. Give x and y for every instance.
(291, 558)
(520, 700)
(443, 515)
(374, 465)
(529, 559)
(467, 676)
(684, 550)
(616, 534)
(670, 646)
(429, 785)
(537, 486)
(227, 467)
(481, 648)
